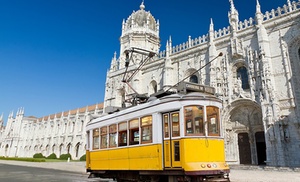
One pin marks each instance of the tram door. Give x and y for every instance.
(171, 140)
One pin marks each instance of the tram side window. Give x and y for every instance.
(122, 134)
(112, 135)
(134, 132)
(166, 125)
(213, 120)
(103, 133)
(175, 124)
(88, 140)
(96, 139)
(146, 129)
(193, 116)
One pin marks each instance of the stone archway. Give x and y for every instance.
(243, 119)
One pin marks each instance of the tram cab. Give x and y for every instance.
(176, 137)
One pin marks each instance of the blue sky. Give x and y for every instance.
(54, 54)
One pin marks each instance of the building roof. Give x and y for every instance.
(72, 112)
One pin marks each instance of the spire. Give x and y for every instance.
(142, 6)
(211, 30)
(115, 55)
(123, 26)
(11, 114)
(258, 7)
(233, 11)
(232, 8)
(167, 49)
(289, 5)
(211, 27)
(233, 16)
(113, 64)
(258, 15)
(1, 121)
(21, 112)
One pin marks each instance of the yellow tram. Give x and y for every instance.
(176, 137)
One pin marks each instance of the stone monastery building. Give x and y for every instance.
(257, 77)
(59, 133)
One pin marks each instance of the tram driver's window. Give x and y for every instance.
(122, 134)
(112, 135)
(134, 132)
(103, 134)
(96, 140)
(146, 129)
(193, 117)
(213, 121)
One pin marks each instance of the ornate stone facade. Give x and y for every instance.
(61, 133)
(257, 77)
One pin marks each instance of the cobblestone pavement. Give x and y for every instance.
(238, 173)
(247, 173)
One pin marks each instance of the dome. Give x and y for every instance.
(141, 18)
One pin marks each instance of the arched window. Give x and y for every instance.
(152, 87)
(77, 149)
(242, 74)
(194, 79)
(47, 149)
(60, 149)
(53, 148)
(68, 148)
(154, 84)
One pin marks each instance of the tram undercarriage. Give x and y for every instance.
(160, 176)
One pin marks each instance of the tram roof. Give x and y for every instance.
(152, 101)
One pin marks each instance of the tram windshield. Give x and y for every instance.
(194, 120)
(213, 121)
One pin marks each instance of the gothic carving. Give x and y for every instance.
(236, 48)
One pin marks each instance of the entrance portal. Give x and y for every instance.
(260, 147)
(244, 120)
(244, 148)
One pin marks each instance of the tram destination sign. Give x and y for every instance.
(188, 87)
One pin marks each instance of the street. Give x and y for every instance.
(18, 171)
(14, 173)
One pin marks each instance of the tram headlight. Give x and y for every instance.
(203, 165)
(214, 165)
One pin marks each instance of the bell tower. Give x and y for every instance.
(140, 30)
(140, 34)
